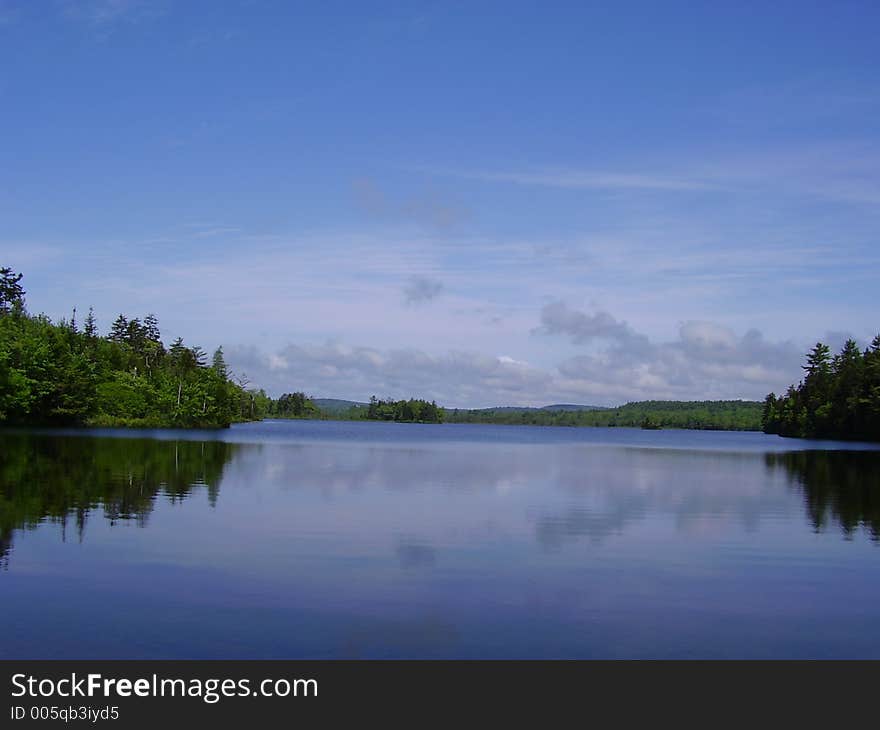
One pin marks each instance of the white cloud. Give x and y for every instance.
(455, 378)
(705, 361)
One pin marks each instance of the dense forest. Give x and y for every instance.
(58, 373)
(733, 415)
(839, 396)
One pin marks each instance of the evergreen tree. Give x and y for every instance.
(151, 328)
(134, 335)
(50, 373)
(219, 364)
(769, 415)
(818, 360)
(199, 357)
(118, 330)
(90, 328)
(11, 292)
(838, 398)
(180, 355)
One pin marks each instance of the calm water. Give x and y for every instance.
(328, 539)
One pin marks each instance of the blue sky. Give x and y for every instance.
(482, 203)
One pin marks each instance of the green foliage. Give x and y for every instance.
(294, 405)
(11, 292)
(839, 397)
(403, 411)
(733, 415)
(53, 374)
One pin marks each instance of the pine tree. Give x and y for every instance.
(134, 334)
(90, 329)
(151, 328)
(818, 360)
(838, 398)
(180, 355)
(769, 416)
(11, 293)
(199, 357)
(847, 371)
(219, 364)
(118, 330)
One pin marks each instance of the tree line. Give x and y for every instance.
(730, 415)
(414, 410)
(61, 373)
(839, 396)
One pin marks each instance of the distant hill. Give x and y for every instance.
(338, 405)
(571, 407)
(335, 405)
(526, 409)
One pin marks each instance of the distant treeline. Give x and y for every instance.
(298, 405)
(731, 415)
(839, 396)
(413, 410)
(57, 373)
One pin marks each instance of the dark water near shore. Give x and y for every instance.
(333, 539)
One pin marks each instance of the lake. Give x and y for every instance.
(310, 539)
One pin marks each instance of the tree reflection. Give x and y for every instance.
(63, 480)
(840, 487)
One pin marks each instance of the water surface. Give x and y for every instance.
(301, 539)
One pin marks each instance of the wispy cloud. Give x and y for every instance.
(216, 231)
(339, 283)
(422, 289)
(844, 172)
(103, 14)
(592, 179)
(428, 208)
(807, 102)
